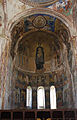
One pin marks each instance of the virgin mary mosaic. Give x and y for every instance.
(39, 58)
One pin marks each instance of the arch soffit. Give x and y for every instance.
(29, 87)
(40, 87)
(32, 11)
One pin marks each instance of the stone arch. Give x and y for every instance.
(47, 11)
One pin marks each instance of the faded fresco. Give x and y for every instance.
(65, 7)
(55, 62)
(28, 79)
(20, 63)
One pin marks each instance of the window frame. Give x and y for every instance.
(29, 97)
(53, 102)
(38, 106)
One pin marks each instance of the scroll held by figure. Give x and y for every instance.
(39, 58)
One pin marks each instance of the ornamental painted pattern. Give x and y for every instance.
(63, 6)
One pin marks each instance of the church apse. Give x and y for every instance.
(41, 52)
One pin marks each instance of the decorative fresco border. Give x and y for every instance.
(35, 4)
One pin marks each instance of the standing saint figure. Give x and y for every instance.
(39, 58)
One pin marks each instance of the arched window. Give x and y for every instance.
(52, 97)
(29, 97)
(40, 98)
